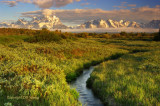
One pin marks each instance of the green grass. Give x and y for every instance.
(12, 38)
(42, 69)
(133, 79)
(40, 66)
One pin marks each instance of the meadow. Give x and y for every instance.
(37, 65)
(132, 79)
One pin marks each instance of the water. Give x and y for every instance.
(87, 97)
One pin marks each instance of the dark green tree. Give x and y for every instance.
(157, 36)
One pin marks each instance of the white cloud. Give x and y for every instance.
(78, 16)
(41, 3)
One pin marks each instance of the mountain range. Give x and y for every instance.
(49, 22)
(99, 23)
(53, 22)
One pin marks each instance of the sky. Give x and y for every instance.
(74, 12)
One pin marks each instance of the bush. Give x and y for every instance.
(15, 31)
(83, 35)
(45, 35)
(123, 34)
(105, 36)
(157, 37)
(116, 35)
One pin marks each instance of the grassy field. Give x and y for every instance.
(37, 65)
(42, 69)
(133, 79)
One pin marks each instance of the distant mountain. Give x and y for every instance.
(53, 22)
(4, 24)
(99, 23)
(153, 24)
(49, 22)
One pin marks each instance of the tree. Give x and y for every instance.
(44, 29)
(123, 33)
(157, 36)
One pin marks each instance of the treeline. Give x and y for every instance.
(46, 35)
(157, 36)
(16, 31)
(121, 35)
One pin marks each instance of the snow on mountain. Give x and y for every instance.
(21, 22)
(134, 24)
(53, 22)
(112, 23)
(4, 25)
(49, 22)
(100, 23)
(108, 24)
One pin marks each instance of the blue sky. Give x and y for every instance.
(11, 9)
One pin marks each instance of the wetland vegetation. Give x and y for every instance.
(41, 63)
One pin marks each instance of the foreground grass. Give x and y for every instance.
(133, 79)
(42, 69)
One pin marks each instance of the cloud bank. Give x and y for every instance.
(78, 16)
(41, 3)
(111, 30)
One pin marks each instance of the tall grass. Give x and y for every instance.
(133, 79)
(42, 69)
(41, 64)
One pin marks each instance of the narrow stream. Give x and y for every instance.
(87, 97)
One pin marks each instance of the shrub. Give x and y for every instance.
(105, 36)
(123, 34)
(157, 36)
(116, 35)
(45, 35)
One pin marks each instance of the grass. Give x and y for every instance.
(40, 64)
(12, 38)
(42, 69)
(133, 79)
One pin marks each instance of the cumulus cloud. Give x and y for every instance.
(78, 16)
(41, 3)
(15, 2)
(10, 3)
(50, 3)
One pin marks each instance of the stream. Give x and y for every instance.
(86, 96)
